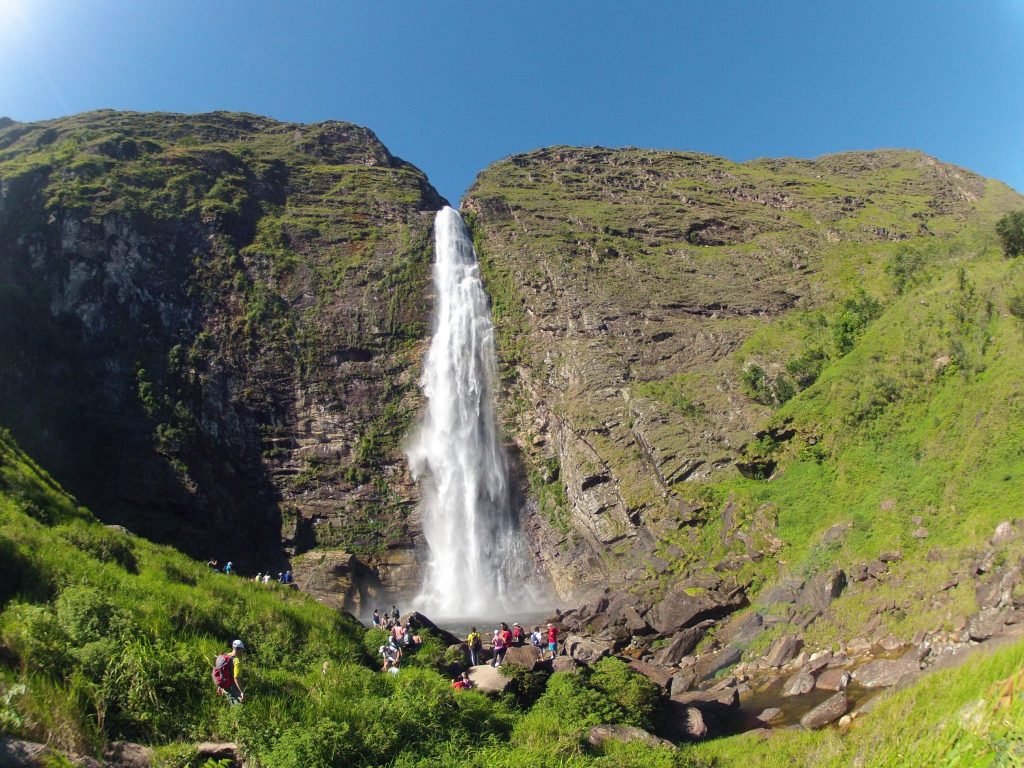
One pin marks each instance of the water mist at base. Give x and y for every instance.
(479, 564)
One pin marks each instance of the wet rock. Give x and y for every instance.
(800, 683)
(599, 734)
(770, 715)
(783, 649)
(832, 680)
(417, 620)
(686, 722)
(828, 711)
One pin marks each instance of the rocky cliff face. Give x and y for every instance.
(629, 285)
(211, 326)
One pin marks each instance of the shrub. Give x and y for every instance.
(1010, 229)
(854, 315)
(633, 692)
(35, 636)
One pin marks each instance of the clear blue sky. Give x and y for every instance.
(454, 86)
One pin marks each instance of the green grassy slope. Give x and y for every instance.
(106, 636)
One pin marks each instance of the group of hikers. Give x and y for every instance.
(227, 667)
(506, 637)
(283, 577)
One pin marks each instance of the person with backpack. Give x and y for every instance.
(518, 634)
(227, 671)
(476, 644)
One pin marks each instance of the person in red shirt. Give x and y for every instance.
(553, 640)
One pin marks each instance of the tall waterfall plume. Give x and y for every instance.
(478, 561)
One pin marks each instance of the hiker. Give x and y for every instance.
(228, 568)
(227, 669)
(462, 682)
(398, 634)
(376, 618)
(518, 634)
(392, 656)
(394, 613)
(499, 647)
(553, 640)
(287, 577)
(475, 643)
(536, 638)
(506, 634)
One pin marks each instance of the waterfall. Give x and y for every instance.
(478, 563)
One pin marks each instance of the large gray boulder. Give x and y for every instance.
(487, 678)
(827, 712)
(683, 641)
(882, 673)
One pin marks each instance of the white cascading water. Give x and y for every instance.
(478, 564)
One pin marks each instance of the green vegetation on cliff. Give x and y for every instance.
(215, 322)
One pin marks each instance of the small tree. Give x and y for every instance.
(1010, 229)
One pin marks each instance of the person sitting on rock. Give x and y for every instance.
(462, 682)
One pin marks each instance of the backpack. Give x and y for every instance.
(224, 671)
(474, 641)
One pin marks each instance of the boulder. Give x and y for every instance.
(986, 623)
(770, 715)
(564, 664)
(682, 681)
(711, 663)
(722, 697)
(881, 673)
(487, 678)
(526, 656)
(687, 604)
(828, 711)
(782, 650)
(417, 620)
(127, 754)
(599, 734)
(660, 676)
(586, 649)
(741, 630)
(800, 683)
(683, 641)
(834, 679)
